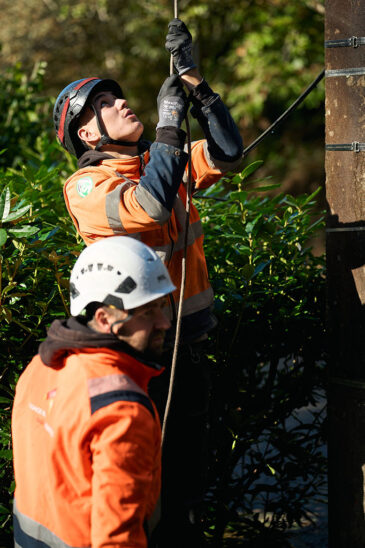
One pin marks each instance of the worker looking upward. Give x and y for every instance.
(127, 186)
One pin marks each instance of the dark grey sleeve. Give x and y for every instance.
(224, 142)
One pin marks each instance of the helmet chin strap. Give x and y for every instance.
(105, 139)
(119, 322)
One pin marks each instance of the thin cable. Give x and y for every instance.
(285, 114)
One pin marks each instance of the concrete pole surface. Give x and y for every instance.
(345, 243)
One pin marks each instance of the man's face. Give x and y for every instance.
(146, 329)
(119, 120)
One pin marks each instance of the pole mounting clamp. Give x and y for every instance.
(351, 42)
(355, 146)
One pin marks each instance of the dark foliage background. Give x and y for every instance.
(268, 357)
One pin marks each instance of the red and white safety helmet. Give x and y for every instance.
(69, 106)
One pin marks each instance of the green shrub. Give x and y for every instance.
(24, 114)
(268, 357)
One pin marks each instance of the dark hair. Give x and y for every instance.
(90, 310)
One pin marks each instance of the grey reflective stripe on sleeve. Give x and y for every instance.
(198, 302)
(112, 202)
(152, 207)
(28, 532)
(100, 385)
(220, 164)
(104, 391)
(179, 210)
(195, 230)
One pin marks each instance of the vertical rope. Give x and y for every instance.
(183, 267)
(176, 15)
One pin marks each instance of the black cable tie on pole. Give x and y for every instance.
(355, 146)
(281, 118)
(352, 42)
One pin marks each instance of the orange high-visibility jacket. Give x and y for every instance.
(103, 203)
(86, 441)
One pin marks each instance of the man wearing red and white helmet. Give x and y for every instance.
(127, 186)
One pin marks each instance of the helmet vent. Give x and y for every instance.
(73, 291)
(127, 286)
(111, 300)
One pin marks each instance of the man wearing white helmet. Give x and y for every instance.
(86, 436)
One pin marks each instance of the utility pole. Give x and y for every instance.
(345, 192)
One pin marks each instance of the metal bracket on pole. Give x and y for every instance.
(355, 146)
(352, 42)
(359, 71)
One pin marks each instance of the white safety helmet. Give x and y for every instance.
(118, 271)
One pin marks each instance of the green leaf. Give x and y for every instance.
(3, 236)
(23, 231)
(264, 188)
(5, 202)
(272, 470)
(4, 311)
(6, 454)
(16, 214)
(250, 169)
(311, 196)
(260, 267)
(239, 195)
(247, 271)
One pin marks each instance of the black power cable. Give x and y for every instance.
(281, 118)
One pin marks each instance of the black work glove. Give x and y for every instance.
(172, 103)
(180, 44)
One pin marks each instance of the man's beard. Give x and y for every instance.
(154, 351)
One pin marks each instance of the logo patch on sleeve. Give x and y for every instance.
(84, 186)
